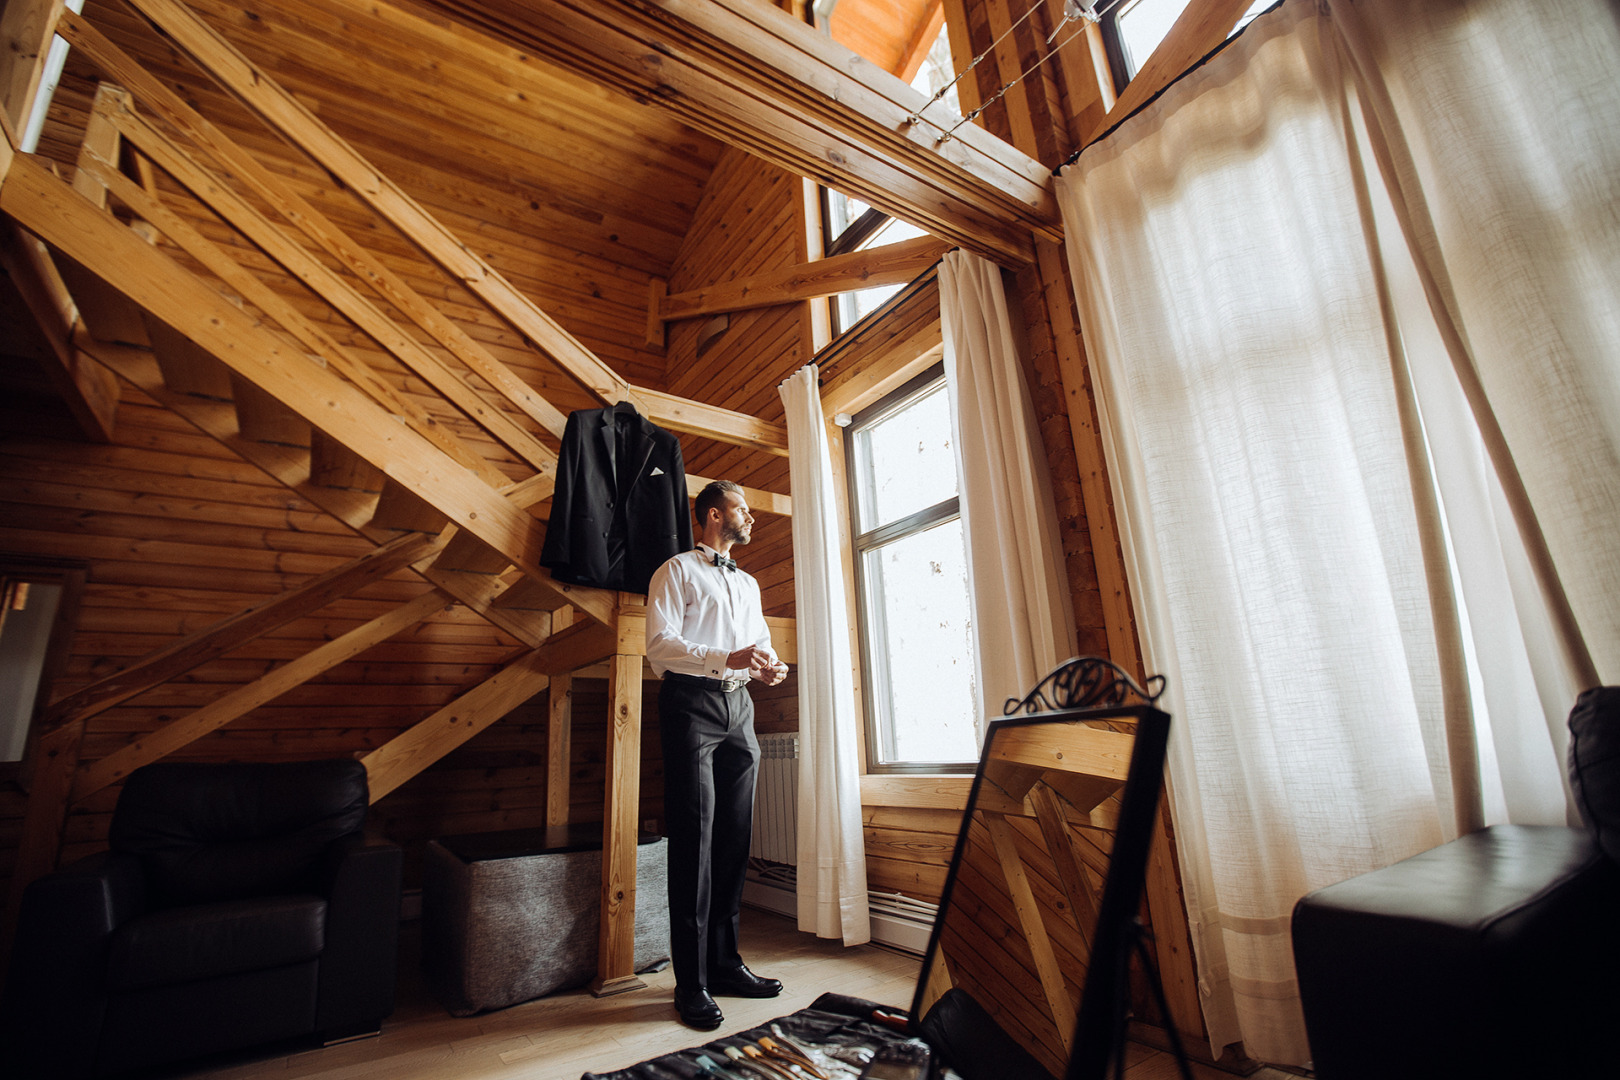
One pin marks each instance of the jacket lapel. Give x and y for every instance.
(608, 444)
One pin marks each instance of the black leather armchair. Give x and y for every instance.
(239, 904)
(1493, 956)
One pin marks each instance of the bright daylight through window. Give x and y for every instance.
(1139, 26)
(916, 618)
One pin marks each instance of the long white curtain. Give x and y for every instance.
(1350, 292)
(1023, 625)
(832, 846)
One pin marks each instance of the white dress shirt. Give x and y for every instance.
(699, 613)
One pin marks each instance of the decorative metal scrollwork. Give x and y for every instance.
(1084, 682)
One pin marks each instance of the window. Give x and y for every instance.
(854, 226)
(1134, 28)
(38, 603)
(911, 566)
(939, 70)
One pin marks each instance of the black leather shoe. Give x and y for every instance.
(697, 1008)
(743, 983)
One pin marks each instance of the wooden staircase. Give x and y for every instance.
(178, 316)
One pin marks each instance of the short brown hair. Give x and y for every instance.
(713, 497)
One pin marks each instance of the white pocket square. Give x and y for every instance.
(656, 471)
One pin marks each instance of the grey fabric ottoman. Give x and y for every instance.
(509, 916)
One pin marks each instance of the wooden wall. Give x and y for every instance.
(177, 533)
(577, 196)
(749, 220)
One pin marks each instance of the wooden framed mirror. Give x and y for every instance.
(1041, 904)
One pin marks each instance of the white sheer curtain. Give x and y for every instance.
(1350, 294)
(1023, 624)
(832, 844)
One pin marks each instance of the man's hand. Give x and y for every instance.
(759, 663)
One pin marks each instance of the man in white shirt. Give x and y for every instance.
(706, 638)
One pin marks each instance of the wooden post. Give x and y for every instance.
(26, 29)
(105, 312)
(56, 758)
(559, 731)
(615, 968)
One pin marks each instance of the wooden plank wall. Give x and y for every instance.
(746, 223)
(178, 532)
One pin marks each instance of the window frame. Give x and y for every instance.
(874, 683)
(71, 575)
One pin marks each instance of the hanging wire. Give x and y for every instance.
(942, 91)
(1073, 10)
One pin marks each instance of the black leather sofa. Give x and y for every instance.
(1496, 955)
(238, 904)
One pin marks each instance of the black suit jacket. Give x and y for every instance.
(616, 518)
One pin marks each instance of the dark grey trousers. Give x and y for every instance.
(711, 759)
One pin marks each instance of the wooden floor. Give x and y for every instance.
(561, 1036)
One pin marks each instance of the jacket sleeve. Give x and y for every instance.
(558, 548)
(683, 502)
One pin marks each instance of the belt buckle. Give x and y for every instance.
(729, 685)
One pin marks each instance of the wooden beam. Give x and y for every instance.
(26, 28)
(45, 206)
(1008, 66)
(657, 289)
(751, 75)
(106, 313)
(223, 636)
(873, 381)
(868, 362)
(559, 734)
(181, 732)
(312, 337)
(891, 264)
(712, 422)
(1202, 26)
(314, 224)
(1033, 923)
(89, 390)
(1172, 938)
(922, 40)
(352, 508)
(325, 284)
(615, 957)
(56, 757)
(288, 116)
(759, 500)
(577, 646)
(1070, 747)
(294, 122)
(1112, 586)
(1054, 823)
(411, 751)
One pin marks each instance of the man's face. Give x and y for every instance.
(736, 523)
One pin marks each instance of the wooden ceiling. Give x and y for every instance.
(890, 33)
(578, 194)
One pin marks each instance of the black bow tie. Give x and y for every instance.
(721, 560)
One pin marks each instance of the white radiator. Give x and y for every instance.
(776, 800)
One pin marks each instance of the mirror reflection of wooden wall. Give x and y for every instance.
(1020, 911)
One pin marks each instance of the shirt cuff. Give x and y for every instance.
(714, 662)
